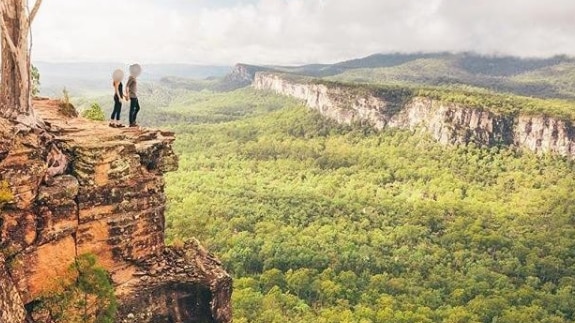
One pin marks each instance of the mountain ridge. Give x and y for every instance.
(552, 77)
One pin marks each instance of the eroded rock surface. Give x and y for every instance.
(11, 305)
(186, 284)
(448, 123)
(110, 202)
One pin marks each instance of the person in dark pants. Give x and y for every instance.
(132, 93)
(117, 77)
(134, 109)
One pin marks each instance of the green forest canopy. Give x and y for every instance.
(323, 223)
(468, 96)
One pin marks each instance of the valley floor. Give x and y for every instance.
(323, 223)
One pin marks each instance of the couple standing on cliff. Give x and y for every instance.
(131, 94)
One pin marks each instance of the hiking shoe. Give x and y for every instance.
(120, 126)
(133, 125)
(112, 125)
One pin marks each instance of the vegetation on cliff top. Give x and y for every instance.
(546, 77)
(323, 223)
(469, 96)
(94, 112)
(502, 103)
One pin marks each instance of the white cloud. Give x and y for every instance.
(296, 31)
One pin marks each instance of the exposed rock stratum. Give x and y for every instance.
(448, 123)
(110, 202)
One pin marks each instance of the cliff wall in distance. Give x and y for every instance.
(447, 122)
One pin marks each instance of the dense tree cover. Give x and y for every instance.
(506, 65)
(173, 82)
(153, 97)
(504, 103)
(467, 67)
(546, 78)
(323, 223)
(398, 94)
(163, 106)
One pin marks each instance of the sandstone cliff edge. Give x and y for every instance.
(109, 202)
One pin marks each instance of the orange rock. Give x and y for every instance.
(37, 270)
(110, 202)
(11, 305)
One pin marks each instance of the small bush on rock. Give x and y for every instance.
(95, 113)
(86, 295)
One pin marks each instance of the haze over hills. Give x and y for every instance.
(552, 77)
(475, 63)
(95, 77)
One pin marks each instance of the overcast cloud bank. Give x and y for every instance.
(296, 31)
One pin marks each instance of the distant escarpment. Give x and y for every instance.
(242, 75)
(84, 188)
(447, 122)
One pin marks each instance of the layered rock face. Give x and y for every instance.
(110, 202)
(242, 75)
(448, 123)
(11, 306)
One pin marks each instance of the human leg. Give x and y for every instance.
(133, 104)
(115, 117)
(117, 110)
(136, 110)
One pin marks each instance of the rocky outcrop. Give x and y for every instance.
(449, 123)
(242, 75)
(11, 305)
(189, 274)
(109, 202)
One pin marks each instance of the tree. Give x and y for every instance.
(35, 75)
(16, 84)
(16, 81)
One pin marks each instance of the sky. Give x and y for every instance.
(290, 32)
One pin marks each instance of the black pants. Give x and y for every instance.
(134, 109)
(117, 109)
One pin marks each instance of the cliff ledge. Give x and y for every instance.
(106, 199)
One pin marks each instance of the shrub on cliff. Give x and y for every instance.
(5, 193)
(95, 113)
(68, 110)
(65, 107)
(86, 296)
